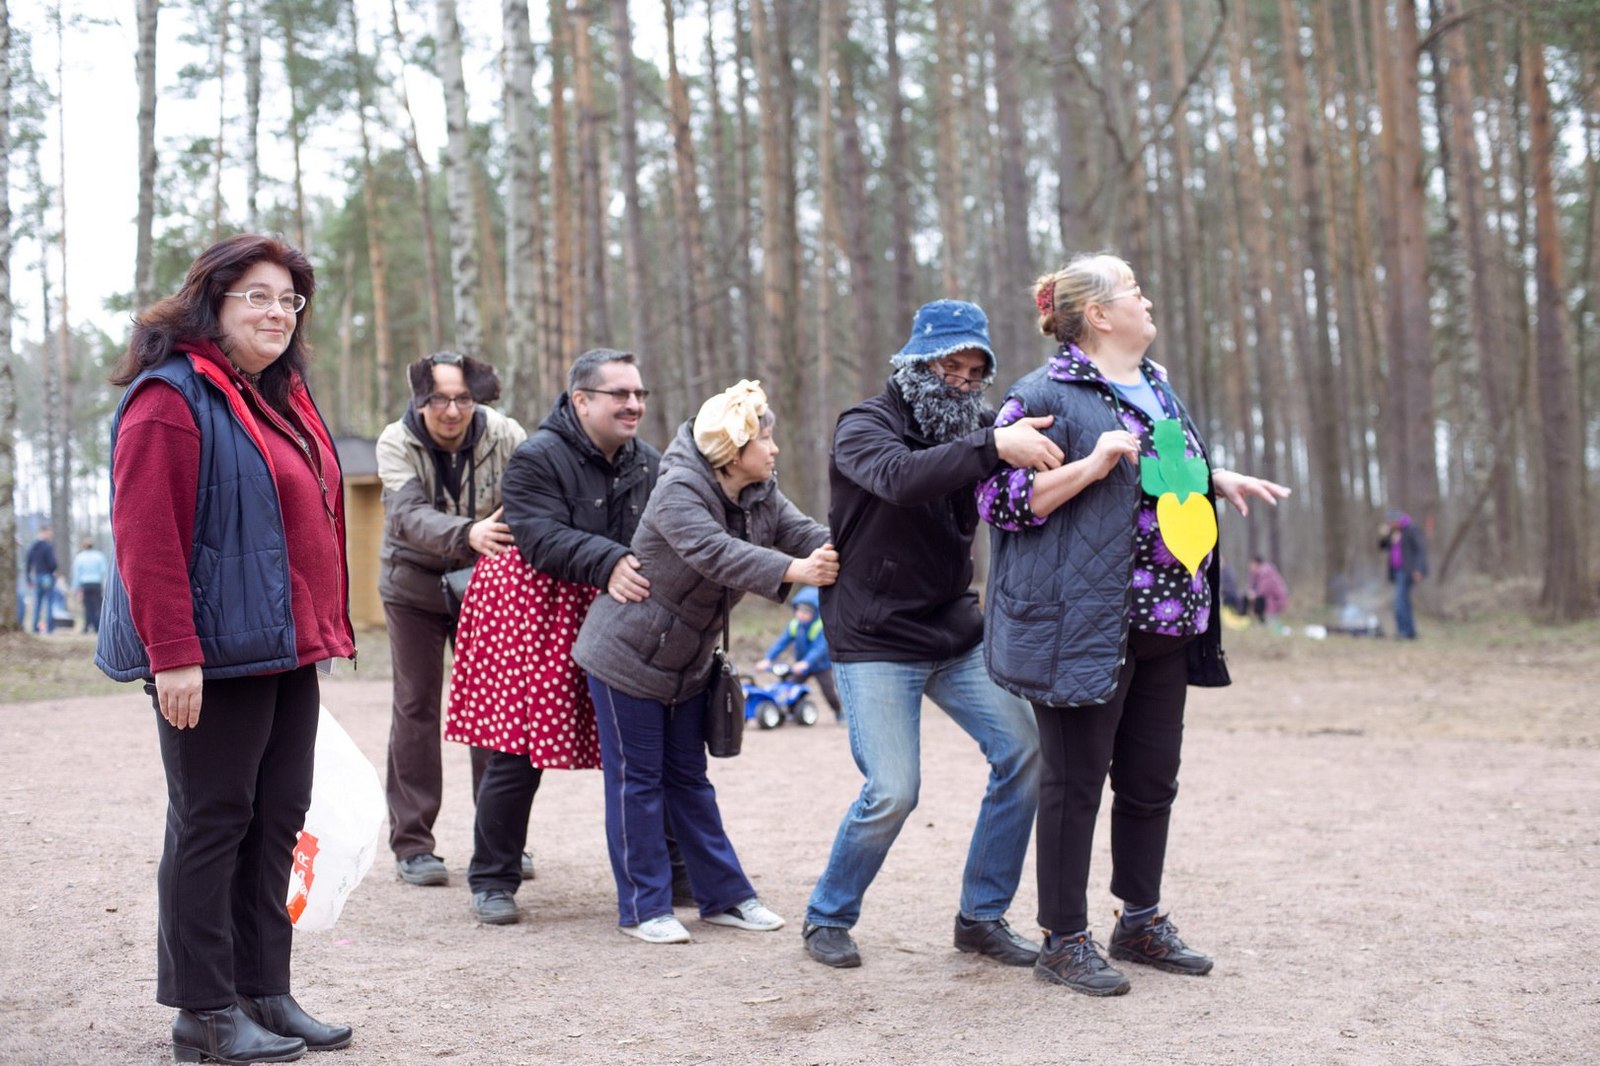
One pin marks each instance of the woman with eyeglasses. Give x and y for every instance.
(228, 588)
(716, 527)
(1100, 610)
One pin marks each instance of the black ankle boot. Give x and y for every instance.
(281, 1014)
(229, 1036)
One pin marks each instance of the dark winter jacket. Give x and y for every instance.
(903, 518)
(572, 512)
(694, 545)
(239, 566)
(425, 526)
(1059, 593)
(42, 559)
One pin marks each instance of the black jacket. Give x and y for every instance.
(42, 559)
(903, 516)
(573, 514)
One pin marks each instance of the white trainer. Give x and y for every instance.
(752, 914)
(663, 930)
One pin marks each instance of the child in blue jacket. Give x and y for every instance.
(811, 662)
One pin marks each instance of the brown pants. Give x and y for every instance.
(415, 782)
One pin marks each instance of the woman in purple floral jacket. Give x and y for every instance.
(1098, 589)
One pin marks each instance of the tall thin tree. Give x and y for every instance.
(464, 276)
(523, 255)
(8, 381)
(144, 278)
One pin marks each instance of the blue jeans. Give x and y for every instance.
(883, 705)
(44, 607)
(654, 760)
(1405, 623)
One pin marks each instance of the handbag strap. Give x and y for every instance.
(727, 624)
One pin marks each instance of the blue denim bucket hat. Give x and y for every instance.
(943, 327)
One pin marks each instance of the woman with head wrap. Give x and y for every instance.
(715, 528)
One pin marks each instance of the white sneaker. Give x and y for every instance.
(663, 930)
(751, 914)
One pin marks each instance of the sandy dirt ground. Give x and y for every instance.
(1392, 851)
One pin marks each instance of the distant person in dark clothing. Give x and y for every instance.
(42, 567)
(1408, 565)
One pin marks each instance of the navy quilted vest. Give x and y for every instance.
(239, 568)
(1056, 618)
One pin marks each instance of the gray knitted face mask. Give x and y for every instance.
(943, 413)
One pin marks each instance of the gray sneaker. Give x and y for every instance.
(424, 869)
(1078, 964)
(495, 906)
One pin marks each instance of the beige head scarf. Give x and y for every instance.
(728, 421)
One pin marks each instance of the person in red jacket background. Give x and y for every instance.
(228, 587)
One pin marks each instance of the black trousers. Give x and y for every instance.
(414, 784)
(505, 801)
(92, 594)
(238, 785)
(1137, 736)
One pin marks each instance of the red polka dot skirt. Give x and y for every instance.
(514, 686)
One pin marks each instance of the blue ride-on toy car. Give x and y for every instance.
(785, 698)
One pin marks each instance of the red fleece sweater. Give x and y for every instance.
(156, 471)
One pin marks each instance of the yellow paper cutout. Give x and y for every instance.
(1189, 529)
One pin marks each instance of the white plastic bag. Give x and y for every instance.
(340, 839)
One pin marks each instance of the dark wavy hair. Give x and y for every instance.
(192, 312)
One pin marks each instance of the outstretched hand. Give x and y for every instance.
(628, 583)
(490, 536)
(819, 568)
(1235, 487)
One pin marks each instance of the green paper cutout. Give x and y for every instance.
(1171, 470)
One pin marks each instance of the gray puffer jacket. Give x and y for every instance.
(693, 543)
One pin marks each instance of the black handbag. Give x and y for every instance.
(724, 725)
(454, 583)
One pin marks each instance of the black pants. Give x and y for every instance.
(505, 800)
(238, 785)
(414, 784)
(1137, 736)
(92, 592)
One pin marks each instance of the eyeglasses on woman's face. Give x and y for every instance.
(290, 303)
(621, 395)
(1135, 292)
(438, 402)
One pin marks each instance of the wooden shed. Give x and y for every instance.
(363, 510)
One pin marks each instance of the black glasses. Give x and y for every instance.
(436, 402)
(962, 382)
(621, 395)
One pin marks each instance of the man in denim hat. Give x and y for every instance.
(903, 622)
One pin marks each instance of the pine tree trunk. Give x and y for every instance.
(61, 469)
(591, 210)
(1014, 191)
(251, 28)
(1072, 162)
(464, 278)
(1194, 368)
(1566, 594)
(1410, 464)
(1322, 386)
(731, 246)
(775, 285)
(899, 166)
(1256, 265)
(523, 357)
(753, 309)
(564, 311)
(297, 117)
(217, 154)
(632, 218)
(868, 349)
(144, 279)
(702, 358)
(829, 234)
(9, 563)
(377, 253)
(947, 102)
(430, 241)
